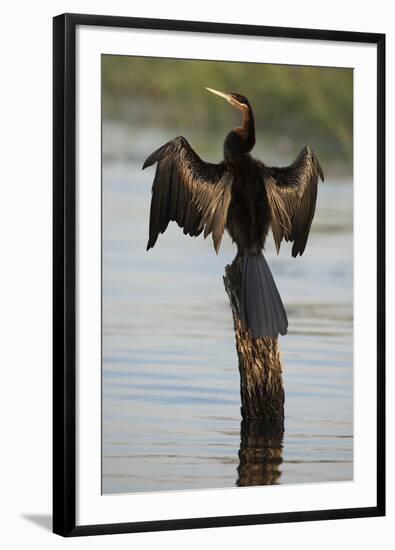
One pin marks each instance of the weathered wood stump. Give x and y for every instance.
(261, 384)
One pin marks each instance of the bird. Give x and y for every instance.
(244, 196)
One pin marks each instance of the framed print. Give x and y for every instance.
(219, 275)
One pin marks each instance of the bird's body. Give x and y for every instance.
(244, 196)
(248, 219)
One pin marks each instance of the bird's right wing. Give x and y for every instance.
(189, 191)
(292, 195)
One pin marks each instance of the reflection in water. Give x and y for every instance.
(260, 454)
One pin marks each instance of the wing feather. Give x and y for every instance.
(292, 195)
(193, 193)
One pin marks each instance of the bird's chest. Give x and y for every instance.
(249, 215)
(243, 202)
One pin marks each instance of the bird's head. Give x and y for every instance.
(237, 100)
(241, 139)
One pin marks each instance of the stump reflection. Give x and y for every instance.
(260, 453)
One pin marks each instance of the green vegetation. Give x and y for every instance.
(312, 104)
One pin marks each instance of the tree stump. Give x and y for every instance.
(261, 384)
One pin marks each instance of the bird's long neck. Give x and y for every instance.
(242, 139)
(247, 128)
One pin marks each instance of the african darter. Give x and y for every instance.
(245, 196)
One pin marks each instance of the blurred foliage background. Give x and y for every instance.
(293, 105)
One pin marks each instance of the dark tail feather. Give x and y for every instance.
(261, 307)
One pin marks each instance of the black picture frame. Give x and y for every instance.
(64, 273)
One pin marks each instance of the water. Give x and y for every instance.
(171, 402)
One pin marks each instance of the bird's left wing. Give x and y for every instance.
(292, 195)
(194, 193)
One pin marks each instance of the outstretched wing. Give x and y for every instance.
(292, 195)
(189, 191)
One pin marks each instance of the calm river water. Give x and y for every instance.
(171, 403)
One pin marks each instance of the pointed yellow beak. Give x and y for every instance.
(228, 97)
